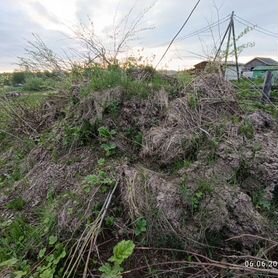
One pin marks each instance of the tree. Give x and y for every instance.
(18, 77)
(104, 51)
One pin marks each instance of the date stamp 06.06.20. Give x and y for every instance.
(261, 264)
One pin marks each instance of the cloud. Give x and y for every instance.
(53, 19)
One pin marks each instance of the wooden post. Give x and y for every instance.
(267, 87)
(235, 48)
(222, 41)
(228, 42)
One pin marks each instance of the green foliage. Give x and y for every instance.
(135, 135)
(139, 138)
(103, 79)
(260, 202)
(195, 198)
(250, 98)
(16, 234)
(212, 146)
(8, 263)
(180, 164)
(17, 204)
(19, 237)
(246, 129)
(34, 84)
(241, 173)
(111, 271)
(18, 77)
(109, 221)
(5, 79)
(185, 77)
(193, 101)
(113, 108)
(101, 162)
(109, 148)
(105, 133)
(52, 240)
(101, 179)
(51, 260)
(121, 252)
(78, 135)
(140, 226)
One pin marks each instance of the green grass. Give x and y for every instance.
(250, 97)
(17, 204)
(102, 79)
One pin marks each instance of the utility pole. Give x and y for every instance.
(230, 29)
(235, 48)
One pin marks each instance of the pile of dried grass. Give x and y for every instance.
(92, 107)
(29, 119)
(148, 194)
(211, 101)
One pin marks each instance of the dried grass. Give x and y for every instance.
(212, 101)
(87, 240)
(91, 108)
(29, 119)
(148, 194)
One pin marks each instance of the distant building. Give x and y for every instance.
(200, 66)
(230, 70)
(260, 71)
(259, 61)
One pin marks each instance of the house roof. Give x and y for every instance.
(232, 63)
(265, 68)
(201, 63)
(229, 63)
(266, 61)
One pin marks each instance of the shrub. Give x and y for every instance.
(18, 77)
(34, 84)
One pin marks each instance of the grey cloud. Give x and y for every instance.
(167, 16)
(40, 9)
(16, 29)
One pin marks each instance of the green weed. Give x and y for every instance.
(195, 198)
(34, 84)
(193, 101)
(121, 252)
(140, 226)
(105, 133)
(260, 202)
(109, 148)
(241, 174)
(113, 108)
(246, 129)
(101, 179)
(17, 204)
(78, 135)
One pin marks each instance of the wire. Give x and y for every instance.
(258, 27)
(199, 31)
(178, 33)
(260, 31)
(207, 28)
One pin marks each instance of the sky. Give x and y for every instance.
(55, 21)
